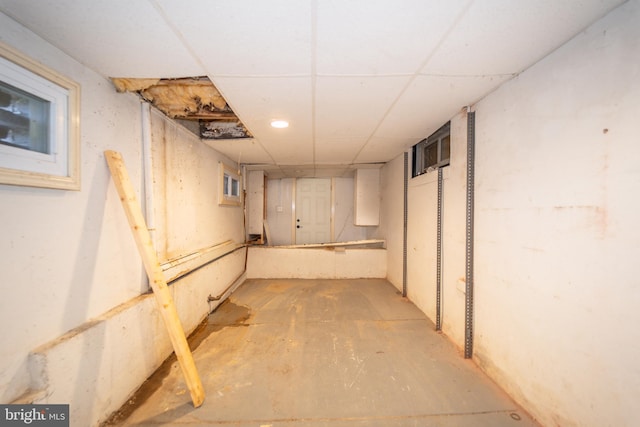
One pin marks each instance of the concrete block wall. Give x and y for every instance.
(80, 326)
(98, 365)
(556, 235)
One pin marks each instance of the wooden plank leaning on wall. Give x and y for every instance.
(156, 275)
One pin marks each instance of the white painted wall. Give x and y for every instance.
(255, 202)
(280, 193)
(345, 229)
(367, 197)
(323, 263)
(556, 230)
(391, 217)
(66, 254)
(186, 187)
(422, 238)
(74, 322)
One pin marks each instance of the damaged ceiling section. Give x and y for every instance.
(192, 99)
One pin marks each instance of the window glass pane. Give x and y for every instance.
(446, 148)
(430, 155)
(235, 188)
(432, 152)
(226, 184)
(24, 120)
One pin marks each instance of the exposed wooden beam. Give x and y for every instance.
(210, 115)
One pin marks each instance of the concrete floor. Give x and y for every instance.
(323, 353)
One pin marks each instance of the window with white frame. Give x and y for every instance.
(39, 124)
(433, 152)
(230, 186)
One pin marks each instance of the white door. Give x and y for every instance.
(313, 210)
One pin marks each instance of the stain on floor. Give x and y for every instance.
(226, 314)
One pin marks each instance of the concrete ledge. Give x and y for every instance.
(322, 263)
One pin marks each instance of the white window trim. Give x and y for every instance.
(61, 168)
(225, 188)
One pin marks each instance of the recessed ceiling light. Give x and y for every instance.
(279, 124)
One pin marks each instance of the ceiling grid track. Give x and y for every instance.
(177, 33)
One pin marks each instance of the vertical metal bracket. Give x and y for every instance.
(404, 231)
(439, 256)
(468, 314)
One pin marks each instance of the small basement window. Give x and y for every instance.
(433, 152)
(24, 120)
(230, 186)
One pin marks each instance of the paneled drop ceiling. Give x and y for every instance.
(359, 81)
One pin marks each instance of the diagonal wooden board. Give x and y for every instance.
(156, 276)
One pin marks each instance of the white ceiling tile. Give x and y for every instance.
(378, 37)
(383, 149)
(307, 171)
(246, 37)
(290, 151)
(506, 36)
(334, 171)
(240, 150)
(289, 171)
(115, 38)
(337, 150)
(349, 107)
(430, 101)
(259, 100)
(359, 81)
